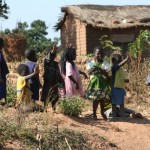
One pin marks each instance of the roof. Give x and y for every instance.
(103, 16)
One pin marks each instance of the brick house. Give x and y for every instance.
(83, 25)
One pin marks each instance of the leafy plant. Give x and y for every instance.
(72, 106)
(108, 45)
(142, 43)
(11, 95)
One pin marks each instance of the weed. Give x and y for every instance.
(72, 106)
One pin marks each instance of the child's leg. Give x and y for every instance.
(122, 110)
(95, 106)
(54, 97)
(114, 110)
(102, 104)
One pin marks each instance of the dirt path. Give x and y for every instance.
(128, 134)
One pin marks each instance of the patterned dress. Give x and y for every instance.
(99, 85)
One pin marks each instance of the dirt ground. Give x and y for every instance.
(127, 134)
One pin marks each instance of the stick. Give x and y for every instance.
(68, 144)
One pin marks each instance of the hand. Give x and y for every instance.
(85, 76)
(77, 86)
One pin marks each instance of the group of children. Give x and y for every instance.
(103, 89)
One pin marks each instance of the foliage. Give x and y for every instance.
(50, 139)
(3, 9)
(11, 95)
(35, 33)
(72, 106)
(107, 45)
(142, 43)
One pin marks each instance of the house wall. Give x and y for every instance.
(68, 32)
(93, 34)
(74, 32)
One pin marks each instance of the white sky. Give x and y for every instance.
(50, 10)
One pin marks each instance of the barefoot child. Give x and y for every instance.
(73, 84)
(35, 82)
(24, 95)
(118, 86)
(52, 78)
(98, 89)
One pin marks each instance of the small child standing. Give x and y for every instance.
(24, 101)
(98, 90)
(118, 84)
(52, 78)
(35, 82)
(3, 72)
(73, 84)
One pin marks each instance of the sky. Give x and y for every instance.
(50, 10)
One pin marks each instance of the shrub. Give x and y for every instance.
(71, 106)
(11, 95)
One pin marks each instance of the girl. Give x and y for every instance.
(98, 89)
(24, 95)
(52, 78)
(35, 82)
(118, 84)
(73, 84)
(3, 72)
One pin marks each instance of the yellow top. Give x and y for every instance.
(23, 91)
(119, 79)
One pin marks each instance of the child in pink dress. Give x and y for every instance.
(73, 84)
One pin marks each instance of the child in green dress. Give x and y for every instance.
(98, 89)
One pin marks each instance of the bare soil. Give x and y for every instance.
(126, 134)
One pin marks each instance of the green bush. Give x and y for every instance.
(11, 95)
(71, 106)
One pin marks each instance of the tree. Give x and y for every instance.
(3, 9)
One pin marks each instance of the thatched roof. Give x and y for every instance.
(108, 16)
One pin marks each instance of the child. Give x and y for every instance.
(118, 84)
(73, 84)
(3, 72)
(35, 82)
(98, 89)
(52, 78)
(24, 95)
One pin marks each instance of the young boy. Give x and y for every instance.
(52, 78)
(24, 95)
(35, 82)
(118, 84)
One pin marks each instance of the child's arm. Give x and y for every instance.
(73, 80)
(36, 71)
(102, 71)
(123, 62)
(83, 73)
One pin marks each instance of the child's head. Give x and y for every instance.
(70, 54)
(1, 43)
(23, 70)
(30, 55)
(116, 58)
(98, 53)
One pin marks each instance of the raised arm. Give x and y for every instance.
(124, 61)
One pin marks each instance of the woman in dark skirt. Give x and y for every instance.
(3, 72)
